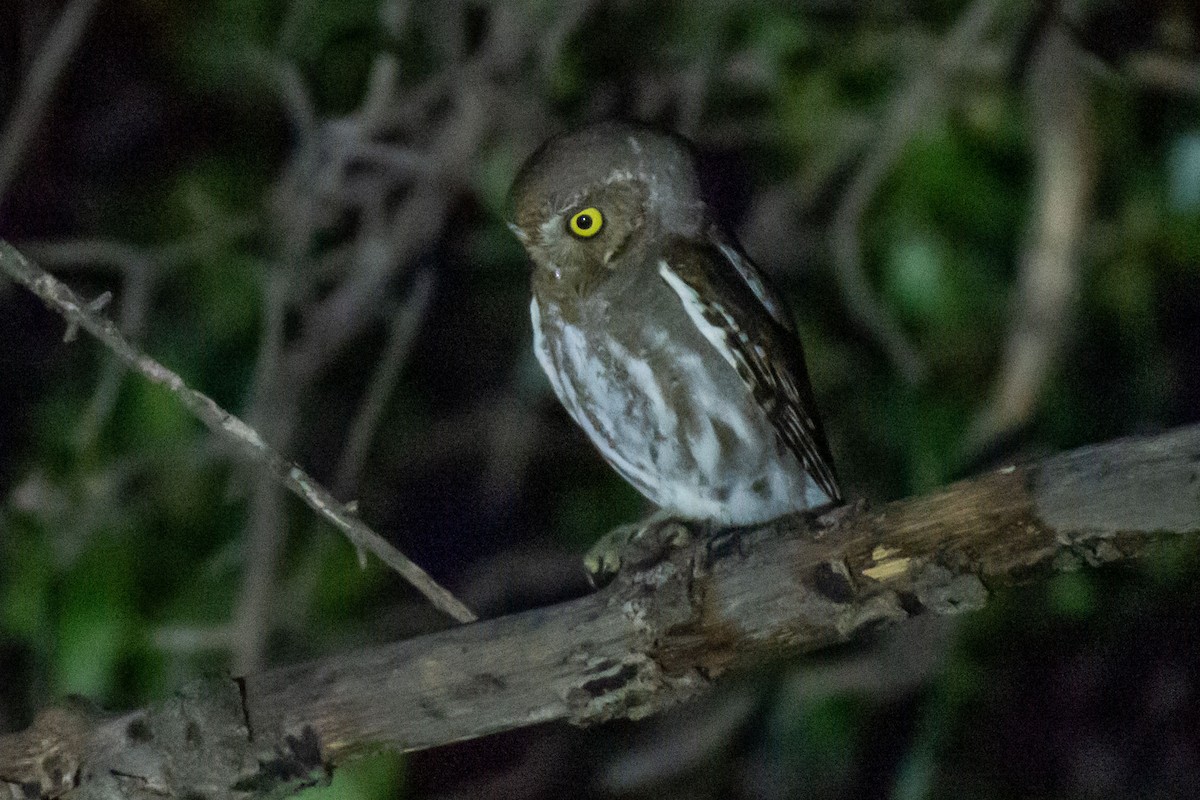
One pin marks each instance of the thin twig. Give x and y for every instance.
(252, 619)
(291, 88)
(39, 87)
(137, 293)
(272, 411)
(137, 285)
(1064, 139)
(140, 268)
(60, 299)
(382, 87)
(301, 206)
(308, 197)
(63, 254)
(395, 353)
(274, 403)
(1166, 73)
(353, 305)
(910, 108)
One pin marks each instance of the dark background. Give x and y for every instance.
(986, 217)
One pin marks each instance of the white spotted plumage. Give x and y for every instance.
(674, 455)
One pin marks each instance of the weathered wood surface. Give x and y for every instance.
(651, 639)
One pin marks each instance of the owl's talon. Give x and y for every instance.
(634, 546)
(723, 544)
(835, 516)
(602, 563)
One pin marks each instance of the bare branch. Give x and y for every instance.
(70, 253)
(63, 301)
(339, 170)
(1065, 143)
(39, 86)
(651, 639)
(1166, 73)
(405, 325)
(910, 108)
(267, 533)
(140, 268)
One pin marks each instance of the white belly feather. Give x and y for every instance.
(719, 459)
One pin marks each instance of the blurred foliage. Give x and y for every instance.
(121, 555)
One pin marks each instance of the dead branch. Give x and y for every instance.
(1064, 133)
(78, 313)
(39, 86)
(405, 324)
(651, 639)
(908, 111)
(140, 270)
(1166, 73)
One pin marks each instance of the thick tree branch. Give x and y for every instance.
(79, 314)
(651, 639)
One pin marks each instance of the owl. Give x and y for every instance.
(660, 337)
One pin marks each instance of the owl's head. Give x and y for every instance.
(589, 201)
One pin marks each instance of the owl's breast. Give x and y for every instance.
(666, 411)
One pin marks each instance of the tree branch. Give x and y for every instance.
(37, 90)
(651, 639)
(909, 109)
(60, 299)
(1067, 164)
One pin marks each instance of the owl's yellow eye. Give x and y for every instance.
(586, 223)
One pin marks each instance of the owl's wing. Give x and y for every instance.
(729, 311)
(751, 276)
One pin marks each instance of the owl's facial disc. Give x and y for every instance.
(637, 183)
(588, 231)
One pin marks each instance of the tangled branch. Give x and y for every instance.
(80, 314)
